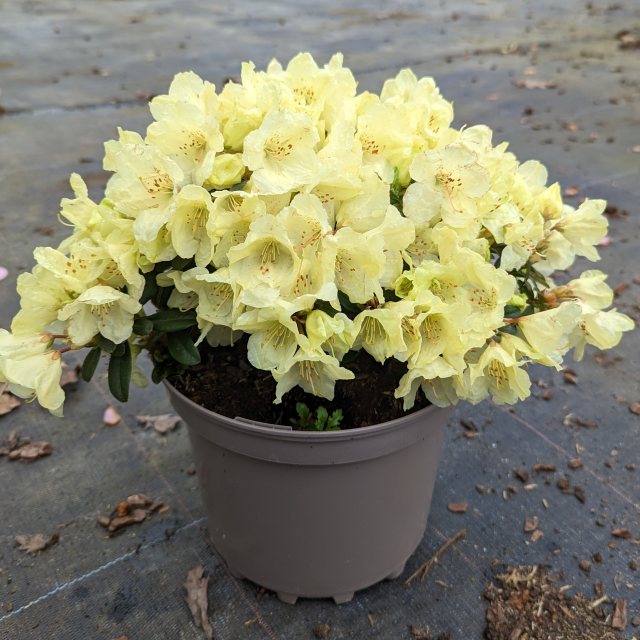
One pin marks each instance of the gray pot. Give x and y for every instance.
(319, 514)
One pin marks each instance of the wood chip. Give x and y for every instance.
(571, 192)
(544, 467)
(162, 424)
(532, 83)
(620, 289)
(458, 507)
(196, 586)
(322, 630)
(536, 535)
(634, 407)
(531, 524)
(33, 544)
(575, 463)
(111, 417)
(521, 474)
(620, 615)
(8, 403)
(419, 633)
(569, 376)
(585, 566)
(621, 532)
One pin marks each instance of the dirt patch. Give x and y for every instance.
(526, 604)
(226, 383)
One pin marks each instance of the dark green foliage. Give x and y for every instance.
(170, 320)
(90, 363)
(120, 373)
(182, 349)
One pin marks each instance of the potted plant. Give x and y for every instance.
(317, 274)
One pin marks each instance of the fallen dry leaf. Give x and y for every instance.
(621, 532)
(8, 403)
(575, 463)
(35, 543)
(533, 83)
(111, 417)
(69, 375)
(196, 586)
(458, 507)
(620, 615)
(634, 407)
(31, 451)
(418, 633)
(569, 376)
(162, 424)
(530, 524)
(136, 508)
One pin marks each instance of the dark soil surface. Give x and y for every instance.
(226, 383)
(527, 604)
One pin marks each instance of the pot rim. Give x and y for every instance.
(318, 436)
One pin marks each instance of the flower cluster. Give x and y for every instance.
(317, 220)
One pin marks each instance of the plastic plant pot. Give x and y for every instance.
(315, 514)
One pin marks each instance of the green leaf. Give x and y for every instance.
(90, 363)
(150, 287)
(321, 418)
(170, 320)
(334, 421)
(104, 344)
(120, 374)
(119, 349)
(182, 349)
(158, 374)
(142, 326)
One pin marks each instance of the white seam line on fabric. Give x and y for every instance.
(95, 571)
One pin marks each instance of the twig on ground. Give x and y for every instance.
(424, 569)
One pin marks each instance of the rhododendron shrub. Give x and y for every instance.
(319, 221)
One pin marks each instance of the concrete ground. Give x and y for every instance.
(70, 72)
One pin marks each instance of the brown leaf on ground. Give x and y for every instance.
(162, 424)
(35, 543)
(196, 586)
(8, 403)
(530, 524)
(533, 83)
(575, 463)
(572, 420)
(634, 407)
(69, 375)
(136, 508)
(620, 615)
(30, 451)
(111, 417)
(521, 474)
(621, 532)
(569, 376)
(458, 507)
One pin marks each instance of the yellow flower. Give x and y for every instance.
(315, 371)
(29, 367)
(334, 335)
(188, 224)
(584, 227)
(281, 153)
(186, 127)
(379, 332)
(100, 309)
(436, 381)
(227, 171)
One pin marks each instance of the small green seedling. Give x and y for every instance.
(321, 421)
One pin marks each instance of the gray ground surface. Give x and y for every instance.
(70, 72)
